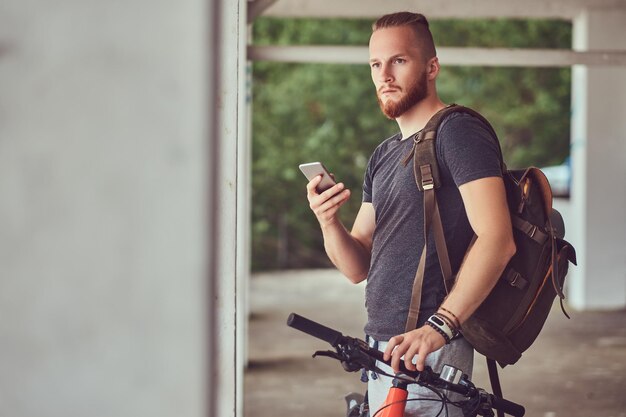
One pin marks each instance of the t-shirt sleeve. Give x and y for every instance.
(467, 149)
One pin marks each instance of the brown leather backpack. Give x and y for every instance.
(511, 317)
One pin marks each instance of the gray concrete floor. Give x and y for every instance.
(576, 368)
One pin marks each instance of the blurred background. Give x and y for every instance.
(154, 229)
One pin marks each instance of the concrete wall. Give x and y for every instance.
(594, 219)
(598, 197)
(103, 159)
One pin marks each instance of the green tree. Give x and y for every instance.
(311, 112)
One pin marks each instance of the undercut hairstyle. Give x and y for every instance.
(417, 22)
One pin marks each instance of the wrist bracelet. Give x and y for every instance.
(441, 325)
(458, 322)
(440, 331)
(448, 321)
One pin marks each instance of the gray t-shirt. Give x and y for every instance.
(466, 151)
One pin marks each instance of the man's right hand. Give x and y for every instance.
(325, 205)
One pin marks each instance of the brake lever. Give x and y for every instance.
(328, 354)
(347, 364)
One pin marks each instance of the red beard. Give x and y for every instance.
(415, 93)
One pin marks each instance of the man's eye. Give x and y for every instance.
(375, 65)
(400, 61)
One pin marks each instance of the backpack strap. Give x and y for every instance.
(494, 379)
(430, 209)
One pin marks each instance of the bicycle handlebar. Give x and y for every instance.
(335, 338)
(314, 329)
(428, 376)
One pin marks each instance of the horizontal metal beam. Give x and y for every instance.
(440, 9)
(498, 57)
(310, 54)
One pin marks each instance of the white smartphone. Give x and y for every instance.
(312, 170)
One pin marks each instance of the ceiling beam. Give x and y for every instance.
(498, 57)
(439, 9)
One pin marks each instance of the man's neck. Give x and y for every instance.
(414, 119)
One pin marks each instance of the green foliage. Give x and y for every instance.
(312, 112)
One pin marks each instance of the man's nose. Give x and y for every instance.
(385, 75)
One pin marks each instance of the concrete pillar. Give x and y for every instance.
(103, 208)
(598, 197)
(232, 232)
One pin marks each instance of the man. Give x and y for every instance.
(387, 236)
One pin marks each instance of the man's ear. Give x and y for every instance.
(432, 68)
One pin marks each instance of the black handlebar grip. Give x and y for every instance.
(507, 406)
(314, 329)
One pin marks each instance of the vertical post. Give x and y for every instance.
(211, 173)
(244, 208)
(230, 234)
(244, 164)
(598, 196)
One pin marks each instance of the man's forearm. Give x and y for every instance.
(346, 252)
(478, 275)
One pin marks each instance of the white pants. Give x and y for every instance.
(459, 353)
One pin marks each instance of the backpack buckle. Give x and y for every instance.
(514, 280)
(428, 182)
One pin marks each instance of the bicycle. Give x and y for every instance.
(355, 354)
